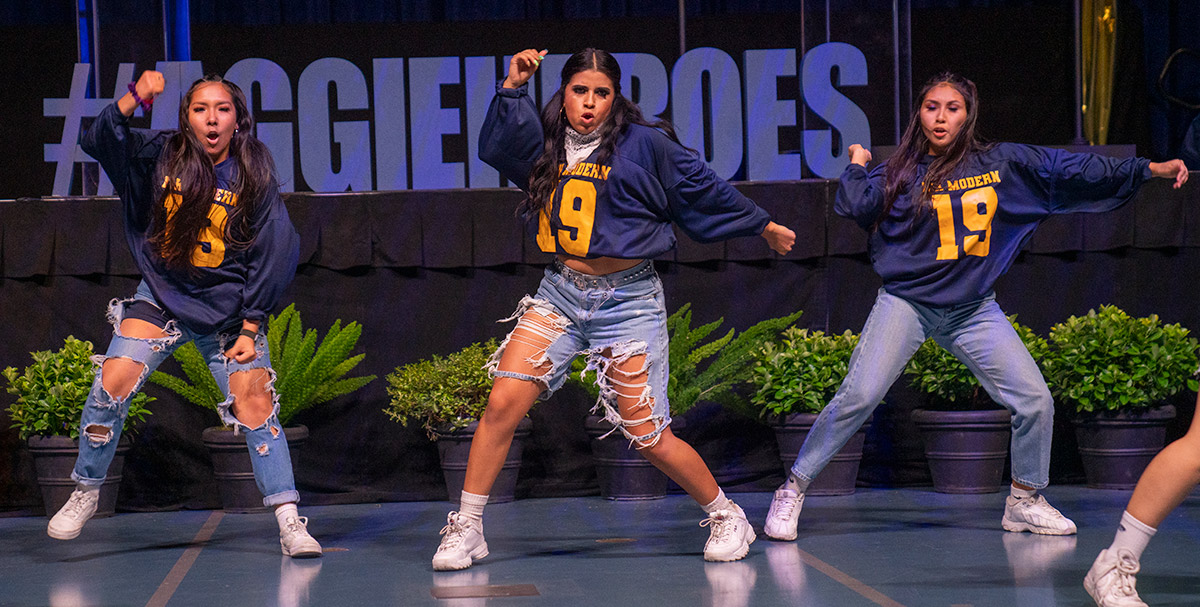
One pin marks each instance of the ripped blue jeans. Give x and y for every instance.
(609, 319)
(268, 448)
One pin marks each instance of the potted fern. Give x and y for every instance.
(306, 375)
(966, 434)
(709, 371)
(795, 378)
(51, 393)
(1118, 373)
(446, 395)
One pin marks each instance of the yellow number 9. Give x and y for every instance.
(214, 234)
(976, 220)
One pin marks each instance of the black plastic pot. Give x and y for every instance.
(1117, 447)
(231, 466)
(840, 474)
(623, 473)
(54, 459)
(453, 449)
(966, 450)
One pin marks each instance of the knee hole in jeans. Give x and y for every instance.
(253, 399)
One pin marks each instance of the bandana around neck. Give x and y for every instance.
(580, 146)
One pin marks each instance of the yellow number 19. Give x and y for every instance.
(979, 206)
(576, 212)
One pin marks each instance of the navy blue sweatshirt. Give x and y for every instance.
(623, 208)
(228, 286)
(954, 252)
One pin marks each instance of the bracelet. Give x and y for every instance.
(142, 102)
(249, 333)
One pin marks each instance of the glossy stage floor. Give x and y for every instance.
(877, 547)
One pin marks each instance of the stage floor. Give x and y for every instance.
(877, 547)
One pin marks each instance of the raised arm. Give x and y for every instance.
(511, 137)
(117, 147)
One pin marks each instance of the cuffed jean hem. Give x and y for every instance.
(800, 475)
(283, 497)
(85, 481)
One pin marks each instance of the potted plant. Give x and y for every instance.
(446, 395)
(306, 374)
(709, 371)
(966, 434)
(1117, 373)
(795, 379)
(51, 394)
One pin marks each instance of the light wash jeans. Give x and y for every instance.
(609, 319)
(976, 333)
(268, 447)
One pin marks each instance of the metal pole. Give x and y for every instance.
(1079, 139)
(682, 28)
(88, 44)
(896, 65)
(827, 34)
(177, 30)
(906, 90)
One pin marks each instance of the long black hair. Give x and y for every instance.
(902, 165)
(177, 234)
(544, 177)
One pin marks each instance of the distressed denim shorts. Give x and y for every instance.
(608, 319)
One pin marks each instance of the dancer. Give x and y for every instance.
(604, 185)
(1169, 478)
(212, 238)
(947, 215)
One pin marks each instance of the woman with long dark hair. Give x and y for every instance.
(604, 185)
(216, 249)
(947, 215)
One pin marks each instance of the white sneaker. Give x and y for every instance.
(68, 522)
(462, 543)
(295, 541)
(730, 535)
(1111, 581)
(784, 515)
(1035, 514)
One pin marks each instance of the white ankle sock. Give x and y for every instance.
(471, 505)
(285, 511)
(86, 488)
(795, 484)
(1132, 535)
(721, 503)
(1020, 493)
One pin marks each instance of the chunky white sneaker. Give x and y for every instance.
(1035, 514)
(730, 535)
(1111, 581)
(68, 522)
(462, 543)
(784, 515)
(295, 541)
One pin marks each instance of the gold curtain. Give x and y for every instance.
(1098, 41)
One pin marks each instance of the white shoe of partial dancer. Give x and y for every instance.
(462, 543)
(1036, 515)
(730, 535)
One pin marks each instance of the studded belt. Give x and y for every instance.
(584, 281)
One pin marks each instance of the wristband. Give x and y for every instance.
(249, 333)
(142, 102)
